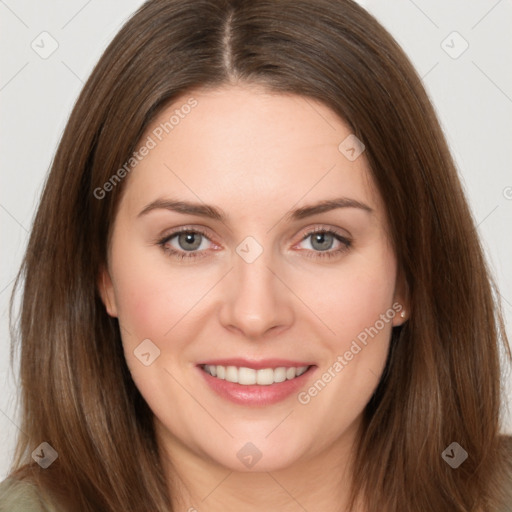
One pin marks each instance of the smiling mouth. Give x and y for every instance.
(249, 376)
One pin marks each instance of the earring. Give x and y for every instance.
(402, 314)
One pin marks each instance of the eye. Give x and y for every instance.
(188, 243)
(185, 243)
(323, 240)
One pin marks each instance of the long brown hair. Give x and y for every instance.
(442, 379)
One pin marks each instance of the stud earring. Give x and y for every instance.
(402, 314)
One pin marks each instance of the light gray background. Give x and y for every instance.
(472, 95)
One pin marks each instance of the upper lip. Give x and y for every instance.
(256, 365)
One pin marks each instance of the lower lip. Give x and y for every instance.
(256, 395)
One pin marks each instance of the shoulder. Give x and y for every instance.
(21, 496)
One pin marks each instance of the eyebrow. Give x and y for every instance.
(215, 213)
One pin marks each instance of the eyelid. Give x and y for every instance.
(343, 233)
(185, 229)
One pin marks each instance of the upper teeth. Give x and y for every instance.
(249, 376)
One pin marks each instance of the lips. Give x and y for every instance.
(228, 378)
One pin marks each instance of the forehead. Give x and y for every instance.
(241, 146)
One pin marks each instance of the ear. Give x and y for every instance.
(401, 301)
(106, 290)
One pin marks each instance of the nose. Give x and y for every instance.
(256, 299)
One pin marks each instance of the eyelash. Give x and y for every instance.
(346, 244)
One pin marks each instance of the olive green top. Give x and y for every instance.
(22, 496)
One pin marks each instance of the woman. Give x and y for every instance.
(254, 281)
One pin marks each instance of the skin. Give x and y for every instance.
(256, 155)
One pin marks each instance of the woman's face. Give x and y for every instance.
(285, 263)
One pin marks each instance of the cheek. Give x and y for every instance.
(356, 304)
(150, 302)
(352, 297)
(149, 299)
(142, 304)
(159, 302)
